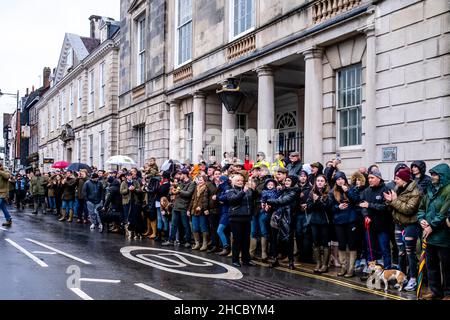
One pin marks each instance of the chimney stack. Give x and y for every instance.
(32, 89)
(95, 26)
(28, 92)
(46, 76)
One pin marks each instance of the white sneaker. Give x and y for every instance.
(100, 227)
(92, 227)
(412, 285)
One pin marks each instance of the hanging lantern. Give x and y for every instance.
(231, 95)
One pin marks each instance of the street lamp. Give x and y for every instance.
(18, 128)
(230, 95)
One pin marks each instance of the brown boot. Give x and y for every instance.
(264, 256)
(153, 226)
(70, 215)
(253, 245)
(63, 215)
(317, 259)
(326, 259)
(149, 228)
(351, 268)
(343, 262)
(205, 242)
(197, 241)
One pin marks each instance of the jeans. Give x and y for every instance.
(260, 225)
(178, 216)
(4, 209)
(222, 235)
(214, 219)
(51, 202)
(346, 235)
(162, 221)
(406, 238)
(199, 224)
(126, 213)
(241, 240)
(303, 238)
(383, 240)
(93, 212)
(67, 205)
(82, 210)
(438, 260)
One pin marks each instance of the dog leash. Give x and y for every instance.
(369, 242)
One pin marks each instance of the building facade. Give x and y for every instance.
(363, 79)
(78, 115)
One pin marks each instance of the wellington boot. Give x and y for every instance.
(317, 259)
(153, 227)
(264, 249)
(225, 251)
(253, 245)
(351, 270)
(205, 242)
(63, 215)
(197, 241)
(149, 228)
(326, 259)
(70, 216)
(343, 262)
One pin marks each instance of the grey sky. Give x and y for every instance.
(31, 36)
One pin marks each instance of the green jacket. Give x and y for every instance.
(435, 205)
(127, 194)
(69, 189)
(405, 207)
(152, 171)
(37, 185)
(4, 184)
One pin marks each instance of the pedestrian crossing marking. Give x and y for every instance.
(158, 292)
(27, 253)
(58, 251)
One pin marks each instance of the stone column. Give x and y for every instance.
(313, 106)
(266, 111)
(369, 107)
(174, 134)
(199, 110)
(228, 127)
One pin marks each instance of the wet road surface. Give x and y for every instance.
(43, 259)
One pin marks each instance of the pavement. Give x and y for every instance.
(43, 259)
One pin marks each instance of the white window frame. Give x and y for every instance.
(52, 116)
(140, 135)
(189, 143)
(63, 107)
(232, 36)
(69, 58)
(91, 149)
(178, 63)
(70, 102)
(101, 149)
(340, 109)
(140, 49)
(80, 97)
(91, 91)
(102, 85)
(79, 150)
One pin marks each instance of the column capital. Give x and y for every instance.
(264, 71)
(368, 29)
(313, 53)
(199, 95)
(174, 103)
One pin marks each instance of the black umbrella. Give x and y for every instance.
(78, 167)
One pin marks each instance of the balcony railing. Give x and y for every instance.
(241, 47)
(327, 9)
(182, 74)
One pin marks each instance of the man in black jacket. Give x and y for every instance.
(303, 229)
(295, 166)
(240, 200)
(377, 216)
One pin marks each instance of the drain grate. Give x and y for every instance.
(266, 289)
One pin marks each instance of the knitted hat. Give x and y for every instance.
(223, 179)
(404, 174)
(376, 173)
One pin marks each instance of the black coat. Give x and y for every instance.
(240, 204)
(294, 168)
(286, 207)
(319, 210)
(378, 211)
(424, 181)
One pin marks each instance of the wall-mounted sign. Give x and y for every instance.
(390, 154)
(49, 161)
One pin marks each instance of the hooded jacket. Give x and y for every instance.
(4, 185)
(348, 215)
(240, 204)
(267, 194)
(114, 197)
(405, 207)
(93, 191)
(435, 205)
(424, 179)
(319, 210)
(223, 204)
(184, 197)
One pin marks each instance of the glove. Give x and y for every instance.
(367, 222)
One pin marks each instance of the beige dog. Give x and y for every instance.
(386, 275)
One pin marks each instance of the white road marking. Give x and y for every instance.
(99, 280)
(28, 254)
(43, 252)
(81, 294)
(1, 228)
(158, 292)
(59, 251)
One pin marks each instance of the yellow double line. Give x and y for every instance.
(337, 282)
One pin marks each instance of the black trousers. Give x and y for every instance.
(346, 235)
(241, 240)
(438, 260)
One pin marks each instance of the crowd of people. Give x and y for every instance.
(262, 210)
